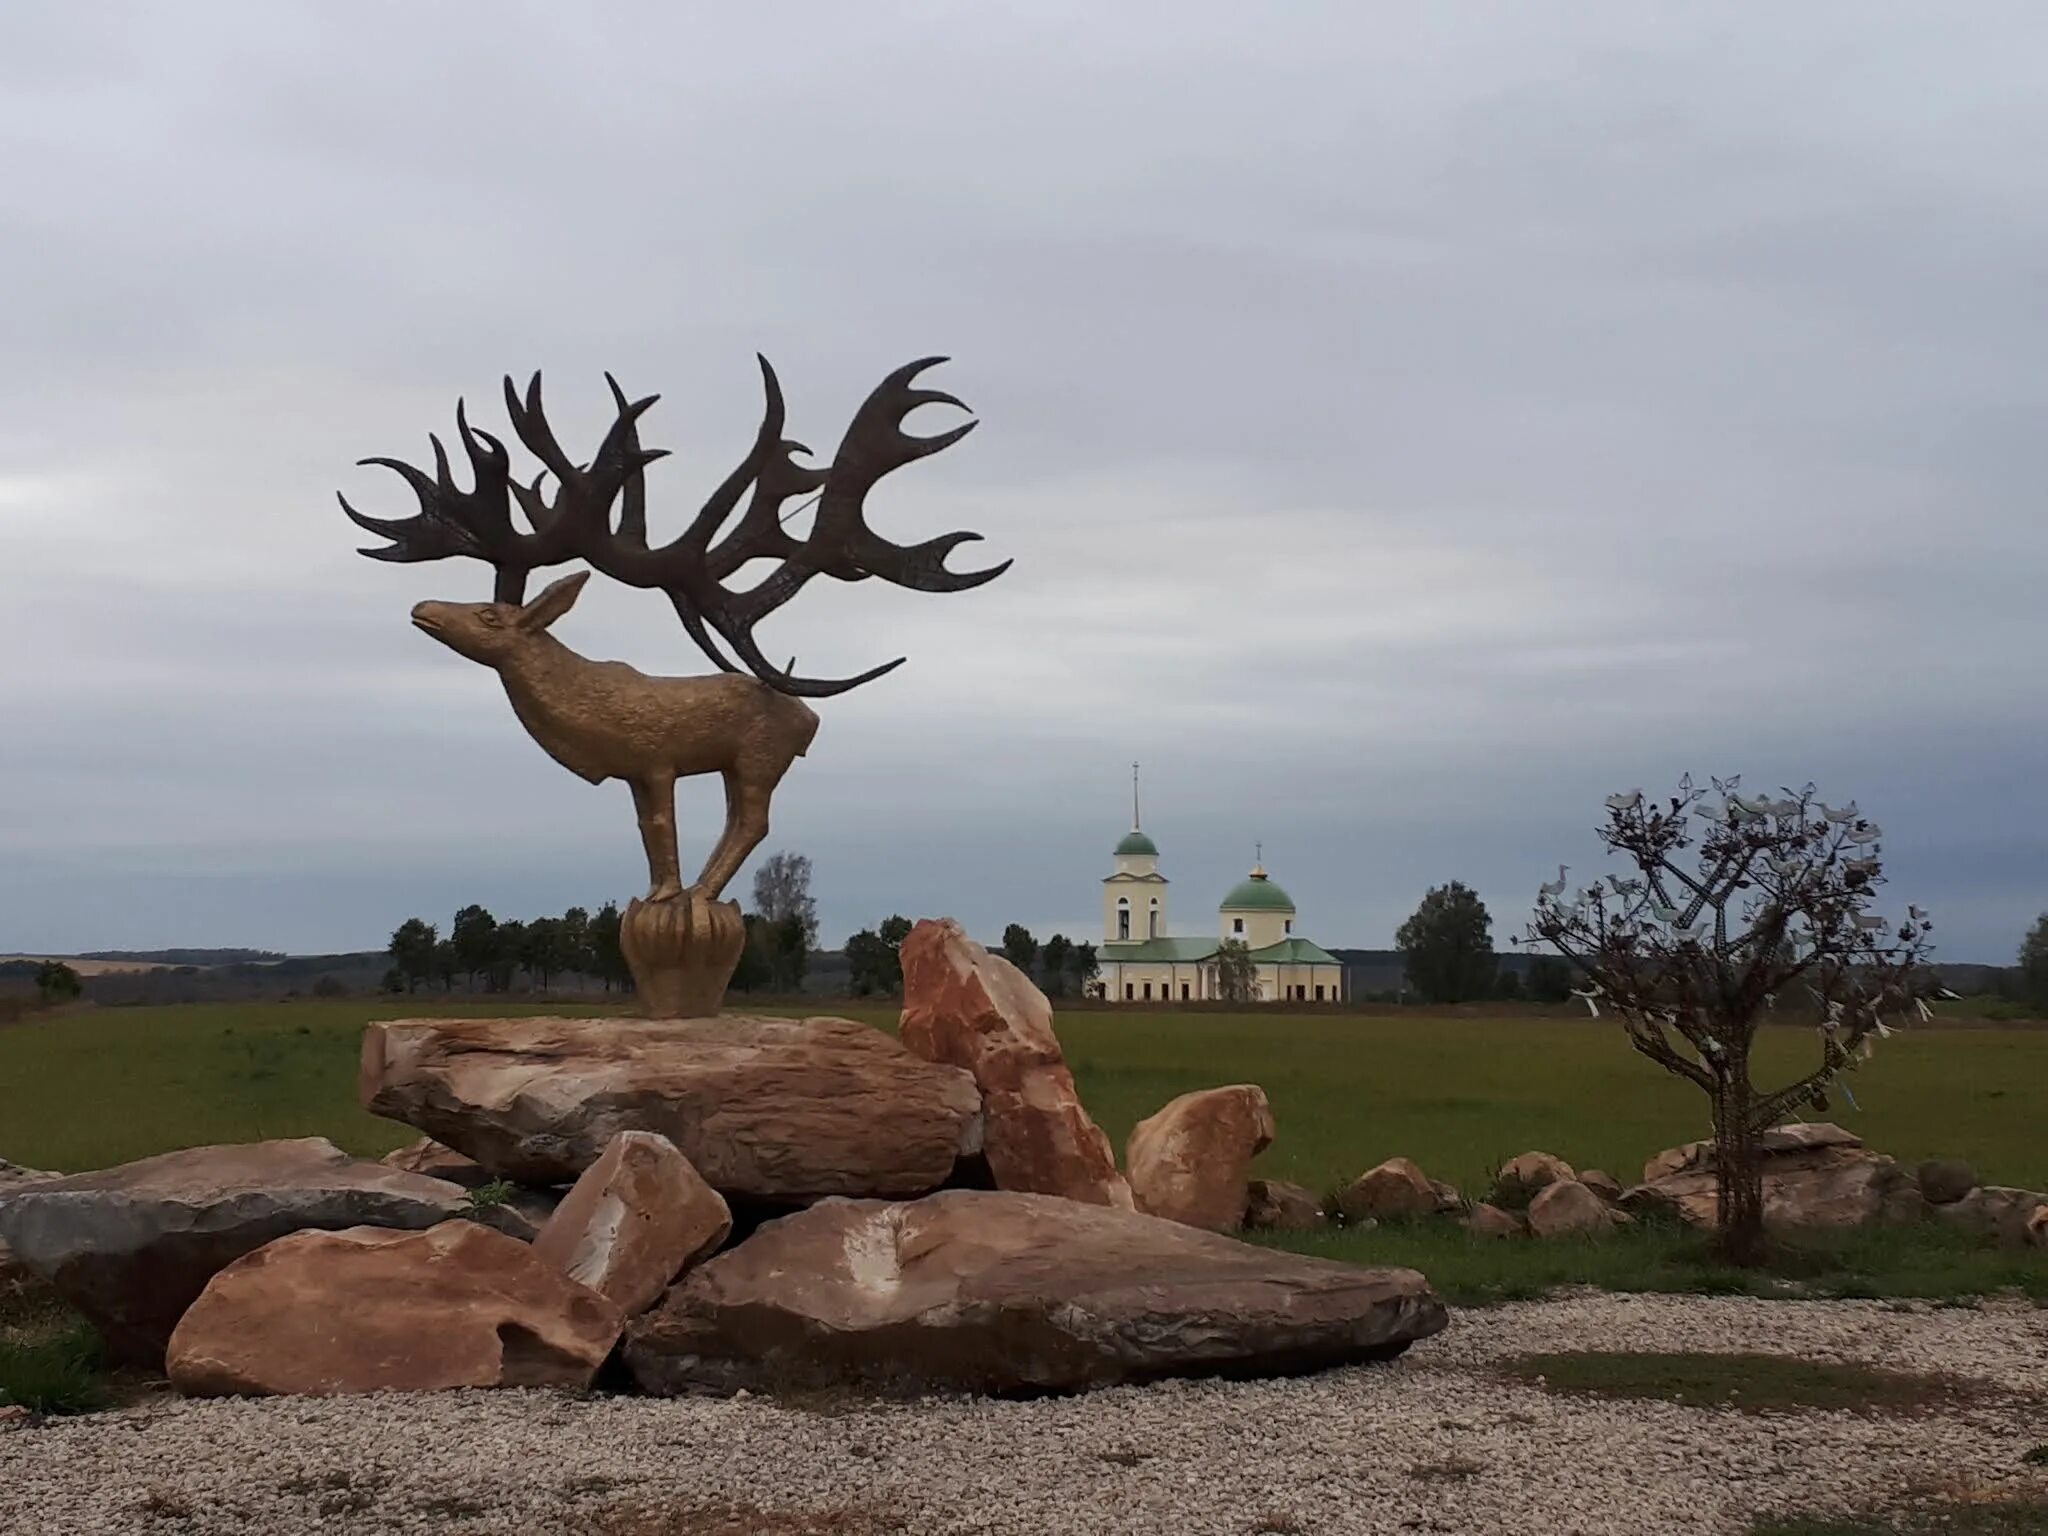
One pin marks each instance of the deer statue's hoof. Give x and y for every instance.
(682, 953)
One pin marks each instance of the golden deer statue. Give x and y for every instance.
(606, 720)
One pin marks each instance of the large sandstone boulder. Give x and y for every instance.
(1520, 1178)
(130, 1247)
(1813, 1176)
(1274, 1205)
(1568, 1208)
(638, 1217)
(368, 1310)
(967, 1008)
(1396, 1190)
(1192, 1161)
(779, 1110)
(14, 1274)
(987, 1291)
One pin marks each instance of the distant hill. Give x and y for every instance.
(185, 956)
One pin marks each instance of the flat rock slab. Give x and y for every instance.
(368, 1310)
(994, 1292)
(131, 1247)
(784, 1110)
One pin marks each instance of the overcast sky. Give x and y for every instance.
(1410, 423)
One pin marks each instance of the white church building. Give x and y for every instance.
(1141, 963)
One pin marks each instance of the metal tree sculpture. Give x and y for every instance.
(604, 719)
(1705, 939)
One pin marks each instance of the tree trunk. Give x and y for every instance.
(1738, 1170)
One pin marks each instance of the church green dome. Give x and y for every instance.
(1256, 893)
(1136, 842)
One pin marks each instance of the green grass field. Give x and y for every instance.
(1459, 1095)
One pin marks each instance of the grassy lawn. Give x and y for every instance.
(1459, 1095)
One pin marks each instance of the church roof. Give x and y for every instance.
(1294, 952)
(1136, 842)
(1256, 893)
(1156, 951)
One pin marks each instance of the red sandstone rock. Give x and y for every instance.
(130, 1247)
(368, 1310)
(1393, 1191)
(1191, 1162)
(967, 1008)
(1566, 1208)
(1274, 1205)
(985, 1291)
(638, 1217)
(783, 1110)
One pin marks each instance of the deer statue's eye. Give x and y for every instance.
(489, 616)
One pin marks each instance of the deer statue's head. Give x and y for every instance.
(493, 633)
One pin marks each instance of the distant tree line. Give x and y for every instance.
(489, 954)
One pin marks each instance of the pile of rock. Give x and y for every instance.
(1815, 1176)
(756, 1203)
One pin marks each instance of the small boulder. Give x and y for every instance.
(1567, 1208)
(2037, 1226)
(1814, 1176)
(370, 1310)
(1447, 1196)
(1996, 1210)
(1191, 1162)
(638, 1217)
(1945, 1180)
(1605, 1185)
(1273, 1205)
(966, 1008)
(1395, 1190)
(1521, 1177)
(131, 1247)
(1491, 1221)
(988, 1291)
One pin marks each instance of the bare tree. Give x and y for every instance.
(1738, 906)
(782, 890)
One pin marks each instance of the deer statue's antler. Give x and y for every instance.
(691, 569)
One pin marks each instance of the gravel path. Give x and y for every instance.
(1433, 1442)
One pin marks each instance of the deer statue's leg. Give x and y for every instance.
(746, 823)
(654, 800)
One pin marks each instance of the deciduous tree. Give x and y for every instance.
(1237, 975)
(782, 889)
(1448, 945)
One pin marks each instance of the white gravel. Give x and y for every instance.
(1430, 1443)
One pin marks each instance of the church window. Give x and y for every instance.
(1148, 991)
(1319, 992)
(1130, 991)
(1237, 925)
(1290, 925)
(1183, 991)
(1123, 918)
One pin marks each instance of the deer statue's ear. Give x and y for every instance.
(556, 599)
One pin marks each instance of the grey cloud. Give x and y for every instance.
(1408, 425)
